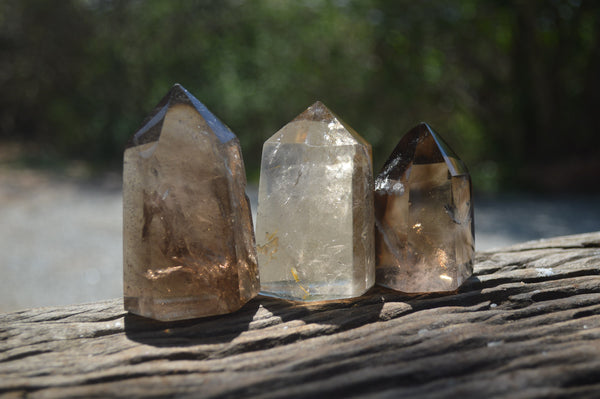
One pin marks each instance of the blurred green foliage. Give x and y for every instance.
(513, 86)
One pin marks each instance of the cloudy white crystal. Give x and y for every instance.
(314, 226)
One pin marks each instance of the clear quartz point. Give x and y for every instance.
(424, 216)
(188, 243)
(315, 221)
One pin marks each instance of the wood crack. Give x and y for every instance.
(527, 324)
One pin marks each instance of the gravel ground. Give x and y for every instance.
(61, 238)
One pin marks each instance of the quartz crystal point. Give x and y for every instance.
(315, 222)
(188, 244)
(423, 216)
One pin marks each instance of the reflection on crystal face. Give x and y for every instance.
(187, 231)
(314, 226)
(424, 216)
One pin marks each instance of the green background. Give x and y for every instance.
(513, 86)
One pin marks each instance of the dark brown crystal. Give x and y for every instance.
(424, 216)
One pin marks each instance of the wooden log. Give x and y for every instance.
(527, 324)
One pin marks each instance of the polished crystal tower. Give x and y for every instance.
(314, 228)
(423, 216)
(188, 244)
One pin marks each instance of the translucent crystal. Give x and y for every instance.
(314, 227)
(424, 216)
(188, 244)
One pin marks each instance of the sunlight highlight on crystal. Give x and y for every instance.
(188, 243)
(424, 216)
(314, 226)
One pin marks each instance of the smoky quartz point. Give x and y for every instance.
(315, 222)
(188, 243)
(423, 216)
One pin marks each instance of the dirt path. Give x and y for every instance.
(61, 238)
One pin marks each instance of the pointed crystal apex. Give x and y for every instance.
(422, 145)
(188, 243)
(152, 126)
(318, 126)
(316, 112)
(314, 224)
(423, 216)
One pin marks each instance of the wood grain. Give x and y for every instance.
(527, 324)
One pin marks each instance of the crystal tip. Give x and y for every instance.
(317, 112)
(424, 125)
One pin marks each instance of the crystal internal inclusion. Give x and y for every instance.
(315, 217)
(187, 233)
(424, 216)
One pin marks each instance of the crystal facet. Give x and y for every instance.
(423, 216)
(315, 219)
(188, 244)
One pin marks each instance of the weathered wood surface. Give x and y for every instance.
(527, 324)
